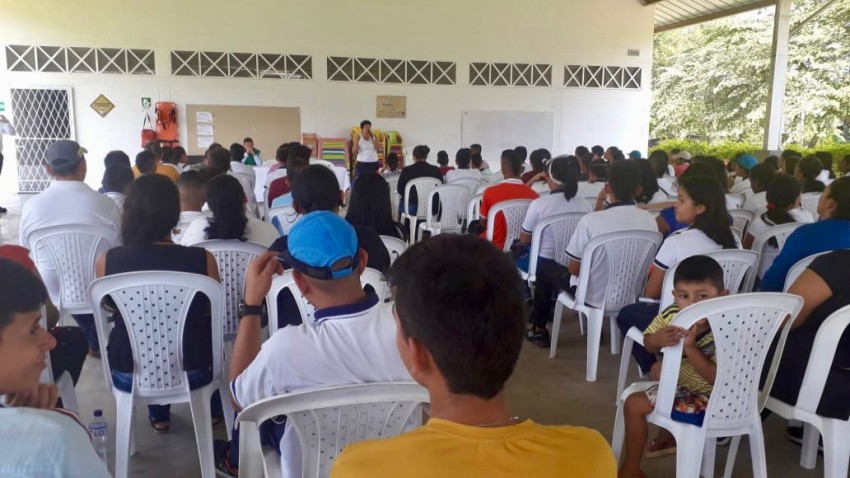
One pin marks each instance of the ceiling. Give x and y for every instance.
(670, 14)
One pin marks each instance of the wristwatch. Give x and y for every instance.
(245, 309)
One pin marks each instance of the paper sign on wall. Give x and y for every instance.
(205, 141)
(205, 129)
(392, 107)
(203, 117)
(102, 106)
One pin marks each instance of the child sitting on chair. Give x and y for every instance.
(697, 278)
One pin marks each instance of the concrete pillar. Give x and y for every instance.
(778, 76)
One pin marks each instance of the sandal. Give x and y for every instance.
(160, 427)
(660, 449)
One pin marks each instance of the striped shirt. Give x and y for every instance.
(689, 378)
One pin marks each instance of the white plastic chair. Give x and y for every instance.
(395, 247)
(744, 327)
(736, 200)
(562, 226)
(154, 306)
(514, 213)
(73, 250)
(392, 185)
(780, 233)
(283, 218)
(741, 219)
(471, 184)
(65, 384)
(423, 187)
(627, 256)
(798, 268)
(473, 211)
(739, 273)
(306, 310)
(453, 200)
(326, 420)
(809, 202)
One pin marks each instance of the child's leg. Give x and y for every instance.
(655, 371)
(664, 436)
(635, 409)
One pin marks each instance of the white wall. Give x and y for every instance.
(556, 32)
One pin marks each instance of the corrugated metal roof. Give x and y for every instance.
(670, 14)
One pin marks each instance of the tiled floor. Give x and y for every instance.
(549, 391)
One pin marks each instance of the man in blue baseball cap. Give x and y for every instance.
(742, 185)
(350, 339)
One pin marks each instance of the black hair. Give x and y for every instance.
(117, 178)
(191, 179)
(566, 170)
(442, 158)
(791, 163)
(420, 152)
(714, 222)
(763, 174)
(154, 147)
(845, 159)
(700, 269)
(781, 194)
(660, 161)
(226, 199)
(179, 152)
(773, 161)
(789, 153)
(21, 291)
(581, 151)
(315, 188)
(513, 160)
(648, 181)
(597, 150)
(718, 169)
(826, 159)
(297, 158)
(145, 162)
(459, 292)
(810, 168)
(522, 152)
(237, 152)
(392, 161)
(281, 154)
(538, 157)
(624, 178)
(475, 160)
(369, 206)
(463, 157)
(599, 168)
(167, 155)
(364, 123)
(247, 138)
(220, 159)
(151, 210)
(617, 154)
(475, 146)
(116, 157)
(839, 191)
(700, 169)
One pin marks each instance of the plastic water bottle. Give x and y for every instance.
(99, 437)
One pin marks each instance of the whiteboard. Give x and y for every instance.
(497, 131)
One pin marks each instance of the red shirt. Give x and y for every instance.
(504, 191)
(278, 187)
(527, 176)
(17, 254)
(445, 169)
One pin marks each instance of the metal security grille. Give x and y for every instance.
(376, 70)
(42, 116)
(241, 65)
(510, 74)
(74, 59)
(606, 77)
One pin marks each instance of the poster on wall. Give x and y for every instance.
(205, 141)
(203, 117)
(392, 107)
(205, 129)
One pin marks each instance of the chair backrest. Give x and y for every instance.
(154, 306)
(326, 420)
(514, 213)
(470, 183)
(740, 268)
(233, 258)
(395, 247)
(562, 226)
(306, 310)
(473, 211)
(283, 218)
(829, 334)
(626, 255)
(736, 199)
(454, 200)
(809, 202)
(743, 327)
(741, 219)
(423, 187)
(798, 268)
(780, 233)
(73, 250)
(392, 186)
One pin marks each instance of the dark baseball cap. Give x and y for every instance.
(65, 153)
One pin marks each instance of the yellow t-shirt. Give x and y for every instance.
(172, 173)
(447, 449)
(689, 378)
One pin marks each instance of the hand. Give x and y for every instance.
(603, 195)
(259, 279)
(666, 337)
(44, 397)
(539, 176)
(693, 332)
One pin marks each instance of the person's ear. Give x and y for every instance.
(363, 260)
(301, 282)
(50, 170)
(724, 293)
(421, 366)
(700, 209)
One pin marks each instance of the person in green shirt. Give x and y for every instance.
(252, 154)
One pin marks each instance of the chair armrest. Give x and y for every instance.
(635, 334)
(647, 300)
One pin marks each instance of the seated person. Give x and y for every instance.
(698, 278)
(145, 163)
(150, 213)
(149, 161)
(458, 292)
(510, 188)
(229, 220)
(352, 339)
(650, 192)
(391, 169)
(38, 440)
(538, 159)
(280, 190)
(807, 172)
(419, 169)
(760, 178)
(369, 207)
(746, 162)
(245, 174)
(666, 219)
(115, 181)
(252, 154)
(443, 161)
(463, 159)
(831, 232)
(844, 165)
(477, 162)
(280, 159)
(193, 195)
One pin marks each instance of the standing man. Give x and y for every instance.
(252, 154)
(365, 148)
(5, 128)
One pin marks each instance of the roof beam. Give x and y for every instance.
(710, 16)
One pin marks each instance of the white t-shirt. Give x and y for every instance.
(247, 178)
(547, 206)
(46, 443)
(761, 224)
(682, 244)
(65, 203)
(668, 186)
(617, 217)
(355, 345)
(588, 190)
(756, 202)
(366, 150)
(186, 218)
(455, 174)
(256, 231)
(742, 187)
(118, 198)
(659, 197)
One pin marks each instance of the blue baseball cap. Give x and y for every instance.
(635, 155)
(747, 161)
(323, 246)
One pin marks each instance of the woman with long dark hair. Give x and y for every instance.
(807, 172)
(650, 191)
(370, 206)
(226, 199)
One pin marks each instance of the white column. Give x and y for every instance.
(778, 76)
